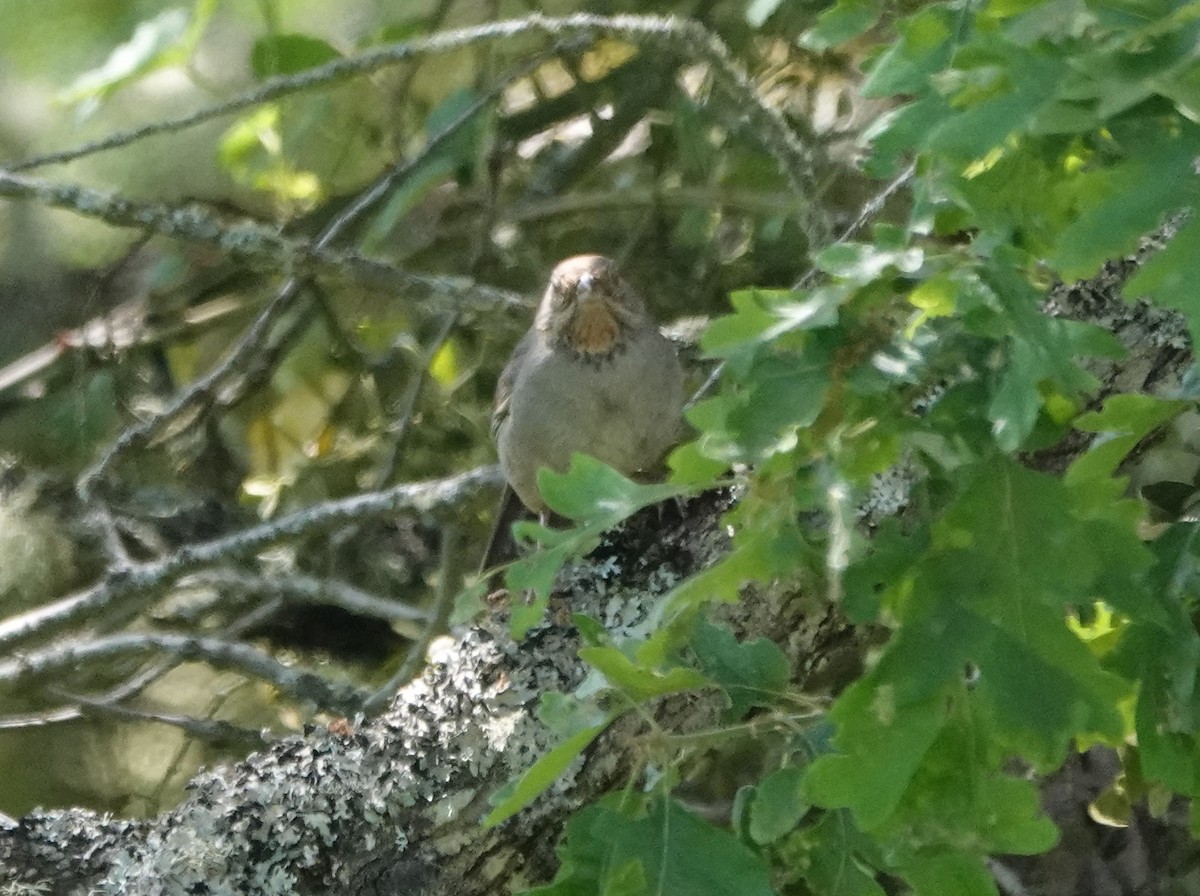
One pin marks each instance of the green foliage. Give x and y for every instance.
(286, 54)
(752, 673)
(164, 40)
(540, 775)
(595, 498)
(652, 846)
(1055, 135)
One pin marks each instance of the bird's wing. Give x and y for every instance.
(508, 377)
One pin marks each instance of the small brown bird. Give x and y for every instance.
(593, 375)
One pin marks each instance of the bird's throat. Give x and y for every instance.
(595, 329)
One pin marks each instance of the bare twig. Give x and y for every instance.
(205, 393)
(687, 38)
(313, 590)
(155, 798)
(146, 580)
(216, 732)
(448, 583)
(27, 668)
(399, 427)
(870, 209)
(134, 685)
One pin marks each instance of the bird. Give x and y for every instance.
(593, 375)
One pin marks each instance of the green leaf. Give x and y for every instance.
(679, 855)
(843, 21)
(1007, 522)
(862, 263)
(893, 135)
(881, 744)
(752, 673)
(636, 681)
(887, 567)
(924, 47)
(1165, 659)
(959, 788)
(1002, 91)
(1016, 400)
(691, 467)
(1047, 689)
(516, 796)
(155, 43)
(530, 579)
(286, 54)
(784, 394)
(831, 853)
(763, 315)
(1126, 420)
(939, 872)
(1041, 352)
(1129, 200)
(723, 580)
(594, 493)
(777, 806)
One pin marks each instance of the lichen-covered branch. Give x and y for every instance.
(396, 798)
(263, 248)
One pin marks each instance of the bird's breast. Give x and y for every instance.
(622, 408)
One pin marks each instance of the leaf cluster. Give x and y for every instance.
(1030, 613)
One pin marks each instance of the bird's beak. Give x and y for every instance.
(586, 282)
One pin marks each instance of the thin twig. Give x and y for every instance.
(869, 210)
(688, 38)
(448, 582)
(312, 590)
(215, 732)
(202, 396)
(398, 429)
(27, 668)
(155, 798)
(135, 684)
(146, 580)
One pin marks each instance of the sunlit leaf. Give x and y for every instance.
(636, 681)
(512, 799)
(155, 43)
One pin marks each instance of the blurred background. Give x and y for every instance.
(589, 146)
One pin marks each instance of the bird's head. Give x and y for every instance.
(588, 306)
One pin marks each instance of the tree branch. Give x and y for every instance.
(144, 581)
(689, 39)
